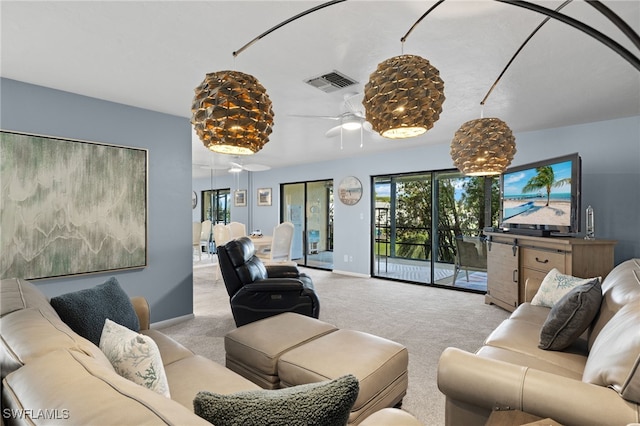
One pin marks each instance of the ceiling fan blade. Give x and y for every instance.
(333, 132)
(326, 117)
(256, 167)
(211, 167)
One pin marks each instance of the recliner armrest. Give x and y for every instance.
(282, 271)
(274, 284)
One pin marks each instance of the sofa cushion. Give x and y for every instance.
(554, 286)
(571, 316)
(79, 390)
(134, 356)
(621, 286)
(16, 294)
(614, 360)
(28, 334)
(190, 375)
(325, 403)
(86, 310)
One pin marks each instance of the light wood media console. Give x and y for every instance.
(515, 260)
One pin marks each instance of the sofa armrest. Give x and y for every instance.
(488, 384)
(141, 306)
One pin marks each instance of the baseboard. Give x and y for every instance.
(351, 274)
(172, 321)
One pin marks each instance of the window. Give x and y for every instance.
(428, 228)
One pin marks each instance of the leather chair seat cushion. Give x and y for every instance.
(84, 390)
(193, 374)
(378, 363)
(518, 358)
(522, 337)
(260, 344)
(28, 334)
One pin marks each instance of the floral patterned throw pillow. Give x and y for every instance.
(134, 356)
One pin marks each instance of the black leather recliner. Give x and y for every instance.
(257, 291)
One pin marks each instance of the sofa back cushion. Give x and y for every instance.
(28, 334)
(16, 294)
(78, 390)
(614, 359)
(620, 287)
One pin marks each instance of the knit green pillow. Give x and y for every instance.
(325, 403)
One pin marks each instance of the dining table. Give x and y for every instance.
(262, 243)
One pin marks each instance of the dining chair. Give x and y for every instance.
(197, 230)
(237, 230)
(205, 236)
(280, 245)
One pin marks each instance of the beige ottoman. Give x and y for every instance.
(253, 350)
(379, 364)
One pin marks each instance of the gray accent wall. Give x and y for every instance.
(167, 281)
(610, 152)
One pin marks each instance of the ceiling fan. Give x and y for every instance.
(351, 119)
(236, 166)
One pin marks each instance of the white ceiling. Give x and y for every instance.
(153, 54)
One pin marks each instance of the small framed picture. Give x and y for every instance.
(264, 196)
(240, 198)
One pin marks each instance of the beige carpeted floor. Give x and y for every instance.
(426, 320)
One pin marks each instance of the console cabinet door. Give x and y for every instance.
(502, 275)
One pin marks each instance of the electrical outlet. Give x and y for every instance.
(350, 258)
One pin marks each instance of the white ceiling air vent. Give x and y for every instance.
(331, 82)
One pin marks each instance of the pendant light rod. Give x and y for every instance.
(495, 83)
(283, 23)
(617, 21)
(607, 41)
(403, 39)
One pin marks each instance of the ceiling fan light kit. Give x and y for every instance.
(403, 97)
(483, 147)
(232, 113)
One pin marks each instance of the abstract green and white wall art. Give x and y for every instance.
(70, 207)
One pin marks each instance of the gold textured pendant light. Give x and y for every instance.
(483, 147)
(403, 97)
(231, 113)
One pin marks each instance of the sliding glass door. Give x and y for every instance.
(428, 228)
(309, 206)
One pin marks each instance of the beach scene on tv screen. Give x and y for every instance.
(538, 196)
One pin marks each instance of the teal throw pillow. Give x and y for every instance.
(86, 310)
(325, 403)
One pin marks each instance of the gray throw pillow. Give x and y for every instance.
(325, 403)
(86, 310)
(571, 316)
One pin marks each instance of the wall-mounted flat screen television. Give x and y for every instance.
(543, 197)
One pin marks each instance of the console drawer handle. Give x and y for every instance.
(542, 261)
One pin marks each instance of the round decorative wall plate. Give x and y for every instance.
(350, 190)
(194, 199)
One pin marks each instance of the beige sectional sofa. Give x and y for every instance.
(595, 381)
(51, 375)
